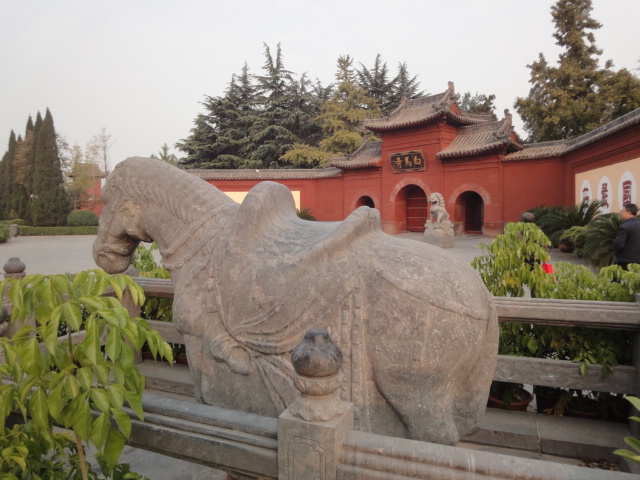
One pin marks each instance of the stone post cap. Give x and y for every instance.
(14, 268)
(317, 361)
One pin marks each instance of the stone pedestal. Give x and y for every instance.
(440, 234)
(312, 430)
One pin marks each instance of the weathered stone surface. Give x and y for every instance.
(416, 326)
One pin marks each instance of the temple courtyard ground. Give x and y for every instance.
(72, 254)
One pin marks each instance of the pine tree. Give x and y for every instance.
(478, 104)
(273, 132)
(404, 86)
(388, 92)
(576, 96)
(342, 117)
(49, 203)
(219, 138)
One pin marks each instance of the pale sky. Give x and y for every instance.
(140, 68)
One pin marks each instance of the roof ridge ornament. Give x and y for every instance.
(505, 129)
(447, 98)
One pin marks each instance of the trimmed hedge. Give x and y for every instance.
(82, 218)
(41, 231)
(4, 234)
(17, 221)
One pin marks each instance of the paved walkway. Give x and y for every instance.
(72, 254)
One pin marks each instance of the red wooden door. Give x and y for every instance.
(417, 210)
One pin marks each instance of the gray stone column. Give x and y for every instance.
(312, 430)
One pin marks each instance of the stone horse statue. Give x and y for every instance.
(417, 328)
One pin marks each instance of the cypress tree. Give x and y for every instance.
(49, 202)
(23, 166)
(7, 178)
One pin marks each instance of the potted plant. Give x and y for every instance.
(509, 396)
(552, 400)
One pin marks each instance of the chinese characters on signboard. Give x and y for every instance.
(407, 162)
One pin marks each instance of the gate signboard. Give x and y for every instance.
(412, 161)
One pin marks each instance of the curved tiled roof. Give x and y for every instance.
(484, 138)
(266, 174)
(560, 147)
(368, 155)
(538, 150)
(424, 110)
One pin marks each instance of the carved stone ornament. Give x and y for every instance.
(14, 268)
(416, 326)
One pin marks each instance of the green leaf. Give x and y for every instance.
(100, 399)
(123, 421)
(38, 408)
(102, 372)
(93, 304)
(72, 315)
(113, 447)
(135, 402)
(100, 430)
(85, 377)
(56, 402)
(113, 346)
(81, 420)
(633, 443)
(635, 401)
(116, 395)
(118, 374)
(71, 386)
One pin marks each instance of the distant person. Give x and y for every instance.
(626, 246)
(528, 217)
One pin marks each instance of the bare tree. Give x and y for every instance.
(97, 150)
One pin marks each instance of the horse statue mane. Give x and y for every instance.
(417, 328)
(438, 211)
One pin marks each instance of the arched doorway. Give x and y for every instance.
(470, 212)
(365, 201)
(417, 208)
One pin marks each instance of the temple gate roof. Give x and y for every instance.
(484, 138)
(419, 111)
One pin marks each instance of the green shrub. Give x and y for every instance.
(4, 233)
(26, 231)
(16, 221)
(82, 218)
(60, 381)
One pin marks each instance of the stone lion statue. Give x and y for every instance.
(438, 211)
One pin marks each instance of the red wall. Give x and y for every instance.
(507, 188)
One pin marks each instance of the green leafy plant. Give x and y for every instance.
(512, 260)
(74, 382)
(305, 214)
(154, 308)
(631, 441)
(556, 222)
(599, 235)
